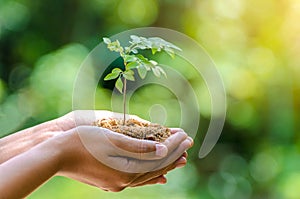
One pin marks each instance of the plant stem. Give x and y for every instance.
(124, 100)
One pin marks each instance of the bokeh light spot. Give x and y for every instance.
(138, 12)
(241, 114)
(243, 84)
(263, 167)
(225, 185)
(290, 188)
(234, 164)
(158, 114)
(54, 75)
(262, 62)
(230, 9)
(14, 16)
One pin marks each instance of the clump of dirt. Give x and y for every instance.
(136, 129)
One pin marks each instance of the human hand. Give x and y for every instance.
(87, 118)
(62, 143)
(113, 161)
(26, 139)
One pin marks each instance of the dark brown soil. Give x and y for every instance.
(136, 129)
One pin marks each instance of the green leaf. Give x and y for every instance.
(149, 64)
(119, 84)
(113, 75)
(134, 51)
(156, 72)
(161, 71)
(170, 51)
(141, 57)
(130, 58)
(135, 39)
(115, 46)
(140, 43)
(142, 70)
(160, 43)
(154, 50)
(154, 63)
(116, 70)
(106, 40)
(130, 72)
(132, 65)
(128, 76)
(144, 61)
(173, 46)
(127, 50)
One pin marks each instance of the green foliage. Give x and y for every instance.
(134, 60)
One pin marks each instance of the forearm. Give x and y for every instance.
(22, 174)
(24, 140)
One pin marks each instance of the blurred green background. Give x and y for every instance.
(255, 45)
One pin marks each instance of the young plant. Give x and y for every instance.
(135, 61)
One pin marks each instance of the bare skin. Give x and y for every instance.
(31, 157)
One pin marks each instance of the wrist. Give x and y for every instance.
(37, 134)
(34, 167)
(69, 146)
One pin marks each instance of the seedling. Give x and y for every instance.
(134, 61)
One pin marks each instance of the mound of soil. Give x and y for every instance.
(136, 129)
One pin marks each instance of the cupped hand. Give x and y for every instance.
(113, 161)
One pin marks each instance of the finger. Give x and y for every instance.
(152, 175)
(185, 154)
(104, 145)
(142, 166)
(117, 144)
(135, 148)
(180, 162)
(158, 180)
(175, 130)
(174, 140)
(131, 147)
(185, 145)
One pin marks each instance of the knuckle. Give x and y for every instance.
(182, 134)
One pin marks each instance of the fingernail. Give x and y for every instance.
(161, 150)
(191, 141)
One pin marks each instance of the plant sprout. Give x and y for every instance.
(133, 60)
